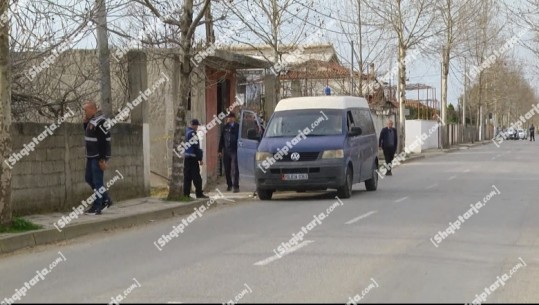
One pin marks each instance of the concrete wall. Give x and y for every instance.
(51, 178)
(421, 129)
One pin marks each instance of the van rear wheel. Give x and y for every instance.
(346, 190)
(264, 194)
(372, 184)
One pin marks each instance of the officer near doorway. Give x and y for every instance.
(228, 150)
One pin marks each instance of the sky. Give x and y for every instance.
(427, 70)
(421, 70)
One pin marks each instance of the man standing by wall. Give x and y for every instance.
(532, 133)
(192, 161)
(228, 149)
(388, 143)
(98, 152)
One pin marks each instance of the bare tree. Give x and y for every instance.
(371, 43)
(482, 36)
(279, 24)
(410, 22)
(5, 116)
(41, 34)
(456, 17)
(184, 27)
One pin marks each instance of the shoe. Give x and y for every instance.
(90, 211)
(108, 203)
(236, 190)
(389, 173)
(202, 196)
(228, 189)
(93, 211)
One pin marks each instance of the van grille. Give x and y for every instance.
(303, 156)
(295, 170)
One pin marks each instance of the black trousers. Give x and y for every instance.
(389, 155)
(532, 136)
(232, 172)
(191, 173)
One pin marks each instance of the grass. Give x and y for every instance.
(19, 225)
(181, 199)
(162, 193)
(159, 192)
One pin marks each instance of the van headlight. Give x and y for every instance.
(333, 154)
(262, 155)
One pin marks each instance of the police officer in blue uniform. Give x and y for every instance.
(192, 161)
(228, 150)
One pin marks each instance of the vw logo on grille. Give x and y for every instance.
(295, 156)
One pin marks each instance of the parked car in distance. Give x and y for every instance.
(511, 133)
(522, 134)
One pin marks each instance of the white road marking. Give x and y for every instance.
(360, 217)
(432, 186)
(275, 257)
(401, 199)
(452, 177)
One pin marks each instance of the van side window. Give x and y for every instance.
(350, 120)
(365, 121)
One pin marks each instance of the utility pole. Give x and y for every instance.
(464, 97)
(104, 58)
(352, 69)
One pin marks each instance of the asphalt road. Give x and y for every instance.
(379, 245)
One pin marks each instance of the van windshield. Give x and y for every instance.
(320, 122)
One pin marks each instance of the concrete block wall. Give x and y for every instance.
(51, 178)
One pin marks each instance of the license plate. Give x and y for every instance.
(295, 177)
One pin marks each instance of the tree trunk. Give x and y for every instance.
(360, 51)
(445, 73)
(176, 182)
(402, 96)
(5, 119)
(104, 58)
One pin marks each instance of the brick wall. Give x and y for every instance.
(51, 178)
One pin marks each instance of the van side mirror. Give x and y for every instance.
(355, 131)
(252, 134)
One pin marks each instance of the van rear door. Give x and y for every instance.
(250, 127)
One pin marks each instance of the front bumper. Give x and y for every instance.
(322, 174)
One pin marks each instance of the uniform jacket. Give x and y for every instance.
(97, 138)
(229, 138)
(194, 149)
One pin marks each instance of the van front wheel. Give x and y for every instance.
(264, 194)
(346, 190)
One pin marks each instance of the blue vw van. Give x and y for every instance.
(310, 143)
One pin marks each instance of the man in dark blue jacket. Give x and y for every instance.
(98, 152)
(228, 149)
(388, 143)
(192, 161)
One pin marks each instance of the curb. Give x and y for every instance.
(47, 236)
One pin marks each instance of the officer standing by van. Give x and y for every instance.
(192, 161)
(532, 133)
(388, 143)
(228, 149)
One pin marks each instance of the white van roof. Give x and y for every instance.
(321, 102)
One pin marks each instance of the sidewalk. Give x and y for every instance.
(139, 211)
(433, 152)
